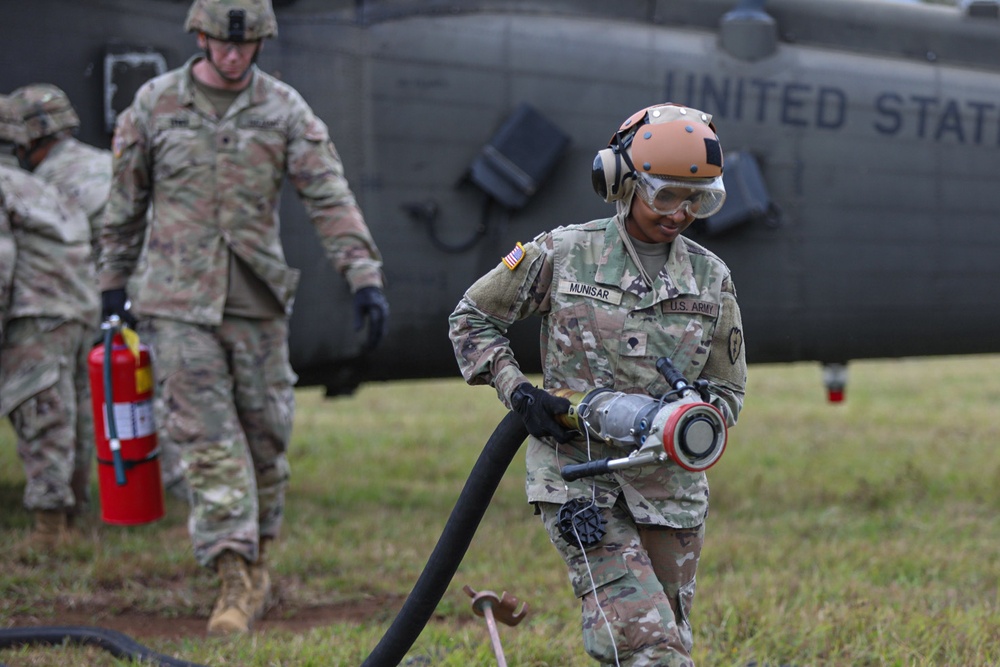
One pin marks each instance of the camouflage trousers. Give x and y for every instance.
(171, 467)
(227, 394)
(45, 389)
(636, 589)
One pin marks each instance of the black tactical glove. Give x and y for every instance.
(370, 305)
(113, 303)
(538, 408)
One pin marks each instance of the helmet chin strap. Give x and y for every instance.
(624, 207)
(28, 156)
(230, 79)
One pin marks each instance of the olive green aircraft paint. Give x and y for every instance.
(862, 140)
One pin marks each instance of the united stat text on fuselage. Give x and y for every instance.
(890, 113)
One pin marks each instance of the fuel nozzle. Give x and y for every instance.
(681, 426)
(678, 382)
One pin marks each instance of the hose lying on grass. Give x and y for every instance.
(114, 642)
(494, 460)
(455, 539)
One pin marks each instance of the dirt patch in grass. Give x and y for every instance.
(283, 617)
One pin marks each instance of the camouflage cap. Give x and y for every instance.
(232, 20)
(47, 110)
(12, 121)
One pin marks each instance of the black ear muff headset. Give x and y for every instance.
(613, 166)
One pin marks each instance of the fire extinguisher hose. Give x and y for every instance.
(496, 456)
(109, 403)
(114, 642)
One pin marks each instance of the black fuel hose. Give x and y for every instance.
(118, 644)
(493, 462)
(455, 539)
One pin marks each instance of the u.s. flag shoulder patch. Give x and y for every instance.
(514, 257)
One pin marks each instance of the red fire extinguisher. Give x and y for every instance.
(121, 389)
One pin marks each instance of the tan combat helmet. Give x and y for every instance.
(232, 20)
(47, 110)
(12, 122)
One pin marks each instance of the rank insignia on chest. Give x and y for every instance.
(514, 257)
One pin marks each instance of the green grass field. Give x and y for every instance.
(863, 533)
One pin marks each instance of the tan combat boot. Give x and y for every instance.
(260, 581)
(231, 614)
(49, 534)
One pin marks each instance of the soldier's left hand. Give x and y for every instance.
(370, 305)
(115, 302)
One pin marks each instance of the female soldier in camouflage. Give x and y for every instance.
(616, 295)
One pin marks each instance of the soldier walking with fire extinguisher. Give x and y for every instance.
(619, 297)
(48, 307)
(192, 222)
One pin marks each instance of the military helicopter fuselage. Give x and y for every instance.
(861, 140)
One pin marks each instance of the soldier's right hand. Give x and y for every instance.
(370, 306)
(115, 302)
(539, 409)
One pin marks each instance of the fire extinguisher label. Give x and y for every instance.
(143, 379)
(133, 420)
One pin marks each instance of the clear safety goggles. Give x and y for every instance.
(225, 47)
(666, 196)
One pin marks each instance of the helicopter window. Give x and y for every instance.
(125, 69)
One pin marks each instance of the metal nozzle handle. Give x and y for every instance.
(581, 470)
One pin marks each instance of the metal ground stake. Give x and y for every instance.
(493, 608)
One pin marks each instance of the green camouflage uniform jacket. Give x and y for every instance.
(603, 327)
(45, 269)
(8, 256)
(82, 173)
(213, 186)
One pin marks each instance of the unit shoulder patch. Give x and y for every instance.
(735, 344)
